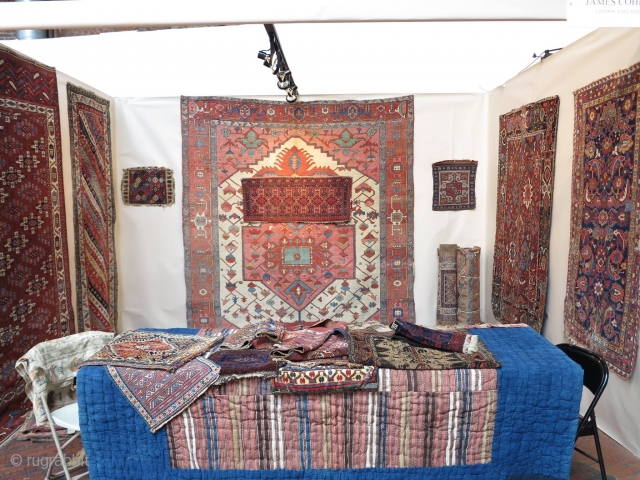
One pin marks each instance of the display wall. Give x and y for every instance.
(150, 243)
(597, 55)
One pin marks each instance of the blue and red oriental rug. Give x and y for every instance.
(296, 267)
(601, 306)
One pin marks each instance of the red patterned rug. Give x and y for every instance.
(523, 220)
(297, 199)
(601, 306)
(454, 185)
(297, 272)
(34, 268)
(94, 210)
(151, 186)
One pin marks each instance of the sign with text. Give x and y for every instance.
(603, 13)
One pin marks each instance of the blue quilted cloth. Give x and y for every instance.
(539, 391)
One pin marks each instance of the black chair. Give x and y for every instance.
(596, 376)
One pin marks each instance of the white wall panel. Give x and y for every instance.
(150, 240)
(593, 57)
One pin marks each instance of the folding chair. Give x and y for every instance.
(50, 367)
(596, 376)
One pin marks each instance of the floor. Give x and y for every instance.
(26, 460)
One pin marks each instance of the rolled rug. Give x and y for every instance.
(468, 266)
(447, 313)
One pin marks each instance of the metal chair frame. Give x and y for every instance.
(596, 376)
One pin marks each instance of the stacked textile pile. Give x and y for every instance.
(161, 374)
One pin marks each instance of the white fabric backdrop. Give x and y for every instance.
(595, 56)
(150, 240)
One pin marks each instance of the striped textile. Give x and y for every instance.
(414, 419)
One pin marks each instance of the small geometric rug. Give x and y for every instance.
(601, 307)
(454, 185)
(151, 186)
(94, 209)
(152, 350)
(526, 160)
(158, 395)
(297, 199)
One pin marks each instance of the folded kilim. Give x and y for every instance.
(297, 199)
(243, 362)
(441, 340)
(393, 426)
(153, 350)
(159, 395)
(400, 354)
(307, 339)
(601, 308)
(336, 346)
(245, 336)
(292, 379)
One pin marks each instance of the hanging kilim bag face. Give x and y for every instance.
(297, 212)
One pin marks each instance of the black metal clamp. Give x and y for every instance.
(274, 59)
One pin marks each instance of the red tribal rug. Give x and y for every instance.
(297, 272)
(454, 185)
(94, 210)
(297, 199)
(601, 306)
(523, 220)
(34, 267)
(151, 186)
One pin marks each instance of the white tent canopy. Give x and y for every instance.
(346, 58)
(370, 48)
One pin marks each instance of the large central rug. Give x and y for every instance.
(601, 306)
(34, 265)
(94, 210)
(238, 270)
(523, 221)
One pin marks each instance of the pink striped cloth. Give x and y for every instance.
(413, 419)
